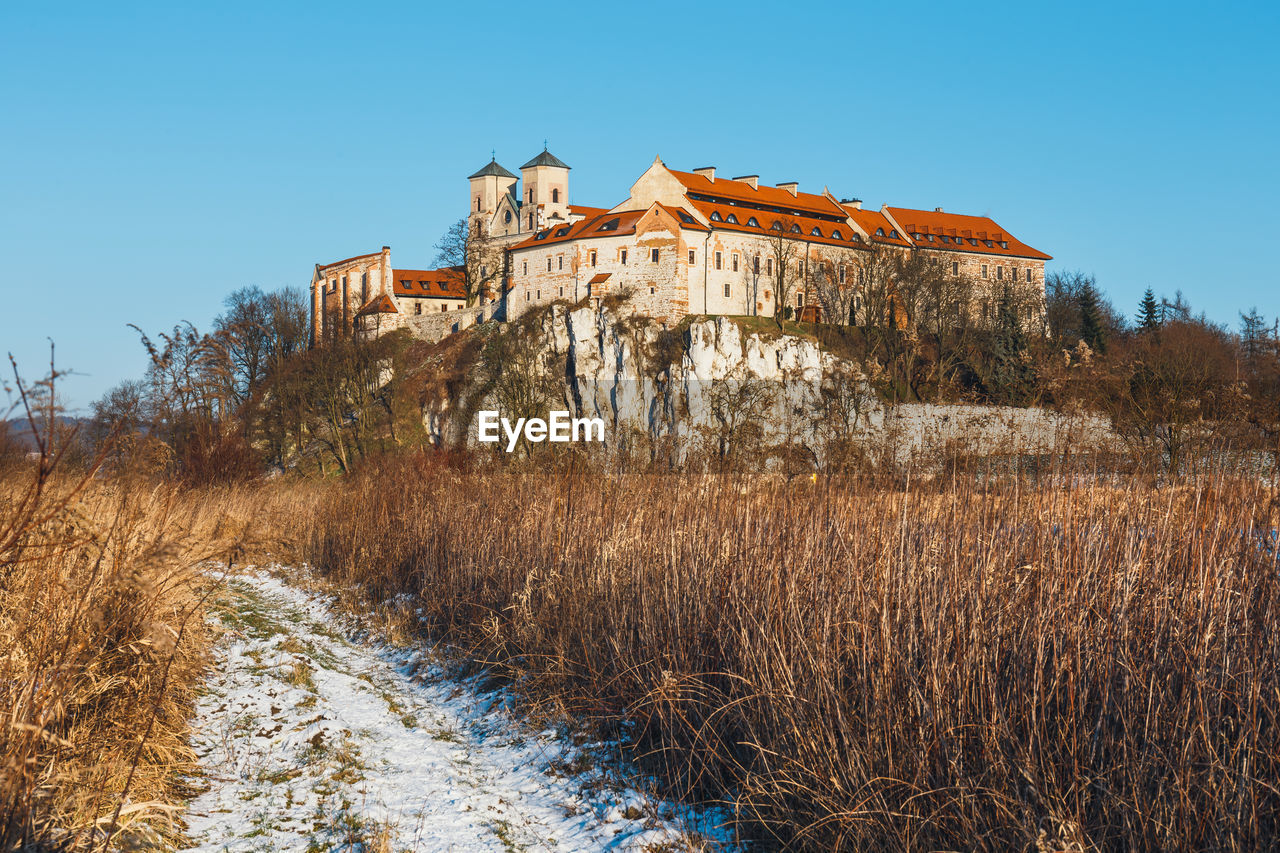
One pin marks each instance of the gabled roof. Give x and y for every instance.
(380, 304)
(764, 196)
(444, 283)
(583, 210)
(878, 226)
(957, 232)
(492, 168)
(825, 229)
(329, 266)
(546, 158)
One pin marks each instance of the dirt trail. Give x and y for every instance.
(312, 740)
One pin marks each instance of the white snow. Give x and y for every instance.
(313, 739)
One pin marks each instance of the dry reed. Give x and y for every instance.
(1006, 667)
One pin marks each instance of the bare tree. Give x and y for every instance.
(478, 259)
(784, 243)
(829, 279)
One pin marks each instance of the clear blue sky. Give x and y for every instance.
(155, 157)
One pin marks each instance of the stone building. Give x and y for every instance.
(680, 243)
(692, 243)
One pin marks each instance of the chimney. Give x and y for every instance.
(708, 172)
(790, 186)
(855, 203)
(754, 180)
(937, 210)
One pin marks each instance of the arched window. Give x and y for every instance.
(837, 235)
(795, 229)
(777, 225)
(753, 222)
(816, 232)
(477, 202)
(555, 196)
(732, 219)
(506, 217)
(715, 216)
(879, 232)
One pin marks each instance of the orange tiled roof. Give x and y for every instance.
(764, 196)
(878, 226)
(444, 283)
(599, 277)
(380, 304)
(588, 212)
(826, 231)
(958, 232)
(618, 223)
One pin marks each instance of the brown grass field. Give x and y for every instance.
(867, 667)
(1059, 666)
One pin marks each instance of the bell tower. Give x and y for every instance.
(546, 192)
(489, 187)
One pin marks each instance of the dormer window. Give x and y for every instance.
(541, 235)
(684, 217)
(732, 219)
(562, 231)
(879, 232)
(753, 222)
(1004, 244)
(795, 229)
(816, 232)
(989, 244)
(776, 226)
(972, 241)
(894, 235)
(611, 225)
(715, 216)
(836, 235)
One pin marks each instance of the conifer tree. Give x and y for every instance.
(1148, 313)
(1091, 329)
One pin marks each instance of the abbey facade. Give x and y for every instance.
(681, 242)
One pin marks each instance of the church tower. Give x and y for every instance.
(489, 188)
(545, 192)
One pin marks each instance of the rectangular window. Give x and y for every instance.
(548, 263)
(799, 300)
(560, 261)
(1000, 272)
(537, 294)
(692, 257)
(768, 266)
(842, 275)
(1028, 275)
(444, 307)
(719, 260)
(1013, 273)
(417, 307)
(591, 257)
(735, 261)
(622, 255)
(651, 290)
(755, 265)
(984, 274)
(728, 289)
(526, 267)
(562, 291)
(955, 268)
(653, 255)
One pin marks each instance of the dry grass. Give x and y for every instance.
(1057, 667)
(102, 635)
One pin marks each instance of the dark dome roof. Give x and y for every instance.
(546, 158)
(492, 168)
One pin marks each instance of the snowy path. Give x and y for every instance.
(311, 741)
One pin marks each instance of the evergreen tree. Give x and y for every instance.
(1010, 378)
(1091, 328)
(1253, 333)
(1148, 313)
